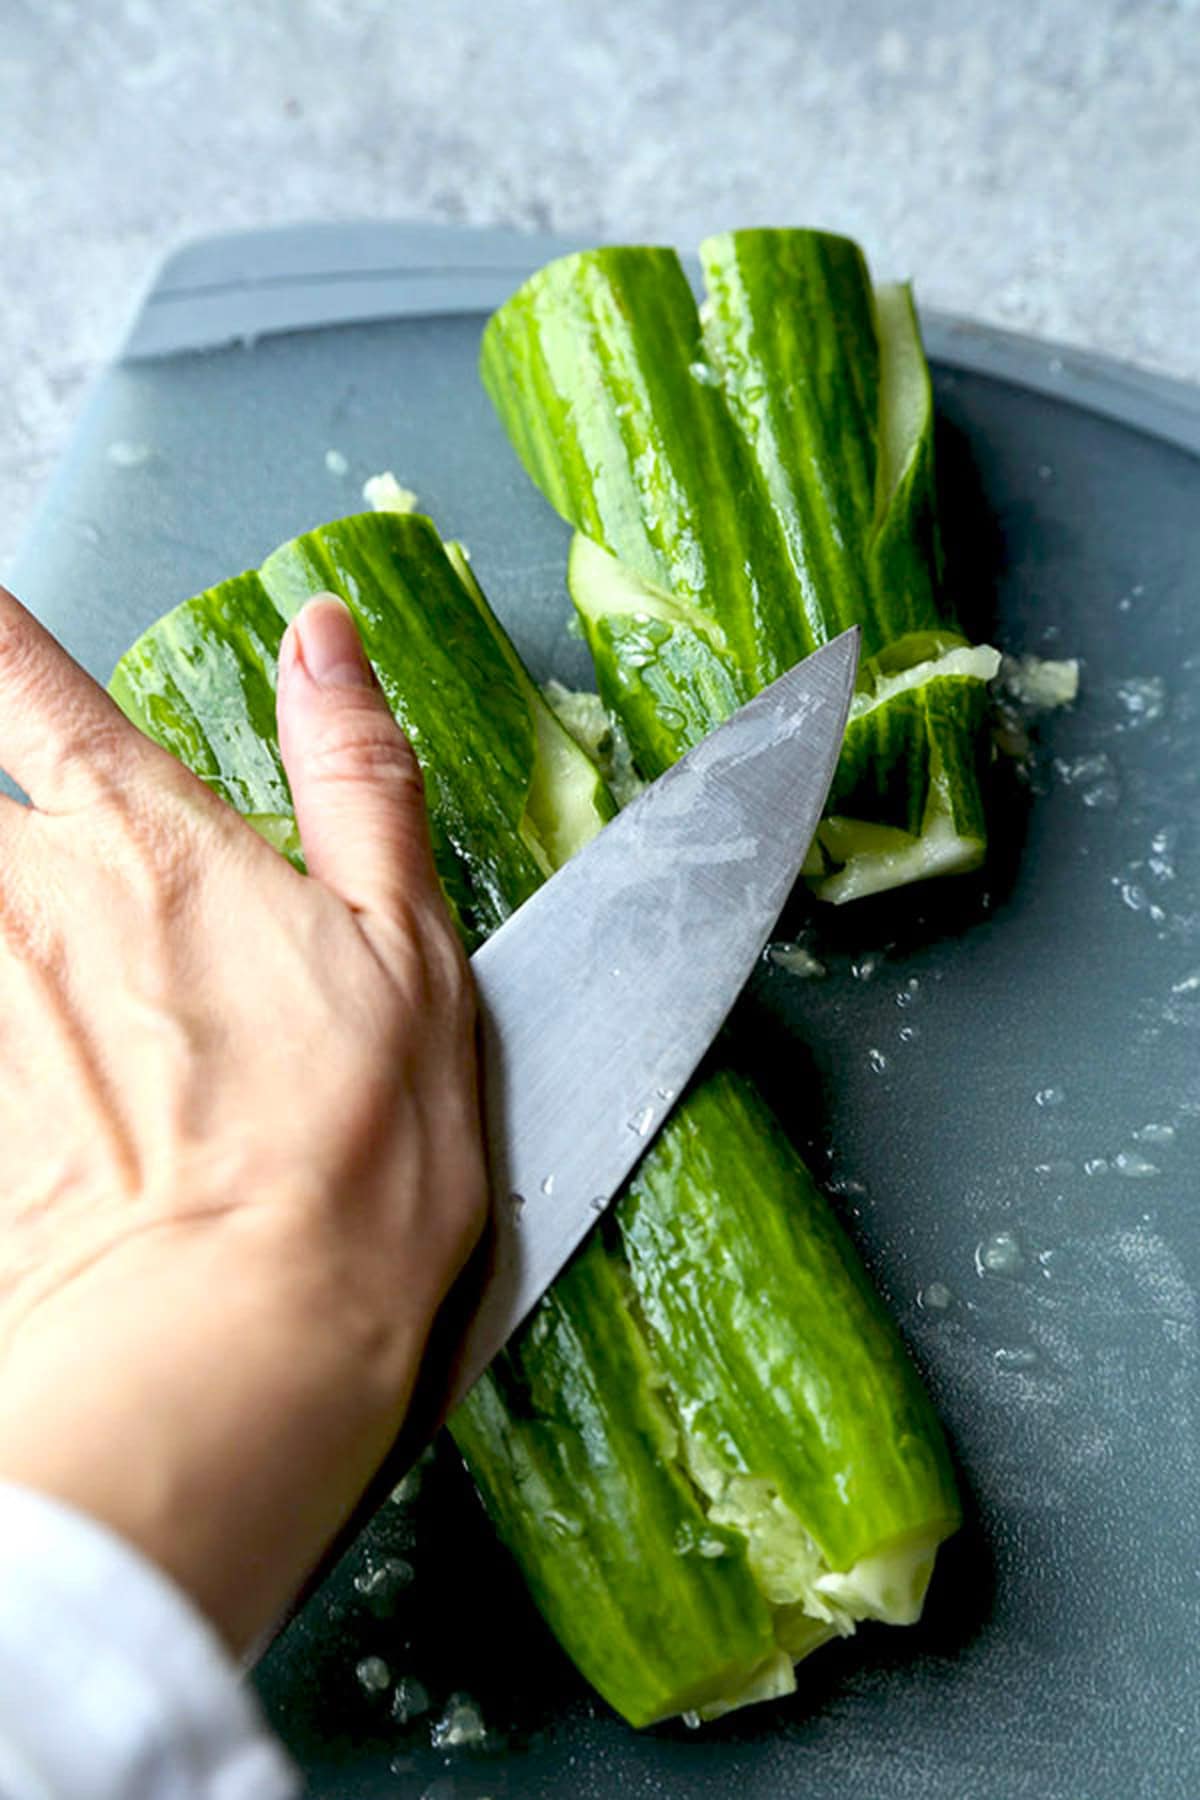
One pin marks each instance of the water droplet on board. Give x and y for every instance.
(598, 1204)
(1155, 1134)
(691, 1720)
(999, 1254)
(381, 1582)
(1096, 1165)
(866, 966)
(1093, 776)
(460, 1727)
(908, 994)
(795, 957)
(876, 1061)
(336, 463)
(1134, 1166)
(548, 1185)
(373, 1674)
(1012, 1362)
(1049, 1097)
(642, 1121)
(410, 1700)
(1132, 896)
(1143, 700)
(935, 1296)
(517, 1205)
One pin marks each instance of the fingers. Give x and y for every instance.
(61, 737)
(355, 782)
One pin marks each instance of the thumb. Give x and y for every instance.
(356, 784)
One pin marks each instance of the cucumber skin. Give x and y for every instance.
(574, 1453)
(752, 1285)
(764, 466)
(574, 1419)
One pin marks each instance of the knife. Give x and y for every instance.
(599, 997)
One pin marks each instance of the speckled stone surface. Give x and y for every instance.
(1038, 168)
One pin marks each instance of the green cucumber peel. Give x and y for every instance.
(748, 478)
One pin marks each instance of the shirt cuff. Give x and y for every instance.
(112, 1686)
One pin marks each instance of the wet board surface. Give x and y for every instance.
(999, 1077)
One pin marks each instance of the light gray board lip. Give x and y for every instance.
(241, 286)
(245, 285)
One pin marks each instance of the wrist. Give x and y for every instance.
(257, 1427)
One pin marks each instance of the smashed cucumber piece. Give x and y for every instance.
(707, 1448)
(747, 479)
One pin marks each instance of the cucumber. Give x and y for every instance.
(747, 479)
(707, 1448)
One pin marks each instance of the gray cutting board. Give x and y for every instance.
(1014, 1054)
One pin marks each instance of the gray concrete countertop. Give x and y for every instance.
(1037, 168)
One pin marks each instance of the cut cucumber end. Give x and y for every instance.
(871, 859)
(890, 1585)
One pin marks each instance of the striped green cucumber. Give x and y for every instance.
(748, 478)
(707, 1449)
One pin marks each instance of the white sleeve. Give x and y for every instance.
(112, 1687)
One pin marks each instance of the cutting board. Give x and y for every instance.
(998, 1077)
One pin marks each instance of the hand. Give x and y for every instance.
(240, 1159)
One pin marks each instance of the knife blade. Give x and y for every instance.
(600, 996)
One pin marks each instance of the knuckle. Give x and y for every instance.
(365, 746)
(431, 975)
(450, 975)
(27, 933)
(154, 850)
